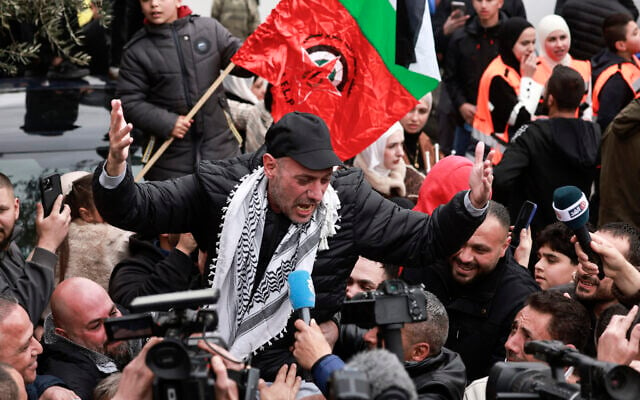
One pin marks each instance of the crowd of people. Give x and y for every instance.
(238, 202)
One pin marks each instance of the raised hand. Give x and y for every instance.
(119, 140)
(481, 178)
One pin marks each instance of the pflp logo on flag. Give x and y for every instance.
(339, 60)
(329, 66)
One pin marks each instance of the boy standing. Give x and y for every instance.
(165, 69)
(616, 70)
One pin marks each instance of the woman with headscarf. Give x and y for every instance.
(555, 41)
(507, 94)
(383, 164)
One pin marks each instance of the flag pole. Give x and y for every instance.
(188, 117)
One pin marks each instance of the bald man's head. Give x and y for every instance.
(79, 307)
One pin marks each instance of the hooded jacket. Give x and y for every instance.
(165, 69)
(616, 93)
(543, 156)
(620, 173)
(151, 270)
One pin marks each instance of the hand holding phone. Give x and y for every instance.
(50, 188)
(525, 216)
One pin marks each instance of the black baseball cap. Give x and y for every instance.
(303, 137)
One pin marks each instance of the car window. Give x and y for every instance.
(51, 126)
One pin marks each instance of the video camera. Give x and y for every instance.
(389, 307)
(598, 380)
(180, 367)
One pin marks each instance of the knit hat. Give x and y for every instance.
(449, 176)
(510, 31)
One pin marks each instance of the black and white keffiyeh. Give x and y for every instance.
(248, 322)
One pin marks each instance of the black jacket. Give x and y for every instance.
(615, 94)
(585, 18)
(30, 282)
(441, 377)
(150, 270)
(480, 313)
(543, 156)
(470, 51)
(370, 225)
(165, 70)
(512, 8)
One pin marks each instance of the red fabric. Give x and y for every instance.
(365, 99)
(183, 11)
(449, 176)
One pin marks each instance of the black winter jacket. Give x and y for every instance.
(165, 70)
(370, 225)
(585, 18)
(470, 51)
(441, 377)
(512, 8)
(543, 156)
(480, 313)
(150, 270)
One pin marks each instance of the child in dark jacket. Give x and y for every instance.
(166, 67)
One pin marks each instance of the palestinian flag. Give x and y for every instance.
(358, 64)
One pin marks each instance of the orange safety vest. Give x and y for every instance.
(629, 72)
(544, 70)
(483, 128)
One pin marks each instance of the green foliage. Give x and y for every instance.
(53, 23)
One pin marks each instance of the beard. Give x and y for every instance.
(121, 354)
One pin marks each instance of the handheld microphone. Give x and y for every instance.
(301, 294)
(572, 208)
(385, 373)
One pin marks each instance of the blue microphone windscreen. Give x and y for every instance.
(301, 291)
(571, 206)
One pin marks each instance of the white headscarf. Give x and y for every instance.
(373, 156)
(546, 26)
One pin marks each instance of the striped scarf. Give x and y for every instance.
(249, 321)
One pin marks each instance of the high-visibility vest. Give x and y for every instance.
(629, 72)
(544, 70)
(483, 129)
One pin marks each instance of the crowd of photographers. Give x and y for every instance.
(447, 304)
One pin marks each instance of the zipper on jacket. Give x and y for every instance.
(195, 142)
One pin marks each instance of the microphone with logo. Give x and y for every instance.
(301, 294)
(572, 208)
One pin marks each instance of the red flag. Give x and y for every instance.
(316, 57)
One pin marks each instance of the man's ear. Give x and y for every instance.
(61, 332)
(17, 207)
(270, 164)
(621, 45)
(419, 351)
(551, 101)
